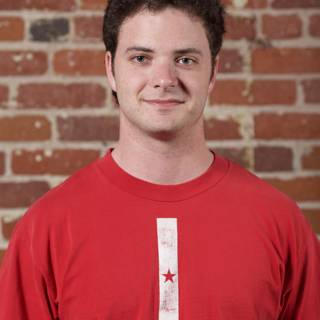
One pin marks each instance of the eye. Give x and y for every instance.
(139, 59)
(186, 61)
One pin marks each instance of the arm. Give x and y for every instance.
(301, 295)
(25, 291)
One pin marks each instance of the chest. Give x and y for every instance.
(170, 268)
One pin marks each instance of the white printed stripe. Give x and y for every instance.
(168, 269)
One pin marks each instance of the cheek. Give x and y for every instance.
(132, 83)
(197, 88)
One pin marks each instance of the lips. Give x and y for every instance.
(164, 102)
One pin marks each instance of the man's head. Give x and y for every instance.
(210, 13)
(161, 64)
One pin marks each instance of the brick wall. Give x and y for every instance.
(56, 113)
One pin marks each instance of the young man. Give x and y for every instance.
(161, 227)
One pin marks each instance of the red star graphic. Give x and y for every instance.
(169, 276)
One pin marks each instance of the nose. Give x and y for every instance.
(164, 76)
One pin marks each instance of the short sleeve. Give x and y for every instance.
(301, 294)
(25, 291)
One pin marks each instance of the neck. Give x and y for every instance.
(173, 160)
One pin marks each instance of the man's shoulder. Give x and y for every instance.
(72, 190)
(247, 184)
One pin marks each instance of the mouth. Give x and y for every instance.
(165, 103)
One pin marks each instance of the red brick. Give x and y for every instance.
(240, 28)
(24, 128)
(250, 4)
(88, 28)
(282, 27)
(4, 95)
(239, 156)
(284, 4)
(230, 61)
(79, 62)
(313, 217)
(23, 194)
(230, 92)
(88, 128)
(61, 5)
(311, 90)
(273, 92)
(216, 129)
(311, 159)
(272, 159)
(2, 163)
(56, 162)
(23, 63)
(287, 126)
(11, 29)
(7, 228)
(271, 60)
(49, 30)
(94, 4)
(2, 254)
(259, 92)
(314, 26)
(300, 189)
(53, 95)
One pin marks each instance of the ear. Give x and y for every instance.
(214, 74)
(109, 71)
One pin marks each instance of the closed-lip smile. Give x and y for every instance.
(164, 102)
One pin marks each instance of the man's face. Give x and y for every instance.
(162, 72)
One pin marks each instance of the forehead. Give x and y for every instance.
(166, 29)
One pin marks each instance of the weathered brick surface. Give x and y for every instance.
(229, 92)
(250, 4)
(230, 60)
(286, 60)
(311, 90)
(313, 217)
(55, 95)
(282, 27)
(259, 92)
(14, 63)
(270, 159)
(281, 92)
(11, 29)
(94, 4)
(287, 126)
(240, 28)
(216, 129)
(88, 28)
(61, 5)
(49, 30)
(4, 94)
(299, 188)
(23, 194)
(240, 156)
(286, 4)
(55, 162)
(314, 26)
(75, 62)
(7, 228)
(311, 158)
(24, 128)
(88, 128)
(2, 254)
(2, 163)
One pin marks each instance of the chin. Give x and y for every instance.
(163, 134)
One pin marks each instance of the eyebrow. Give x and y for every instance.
(179, 51)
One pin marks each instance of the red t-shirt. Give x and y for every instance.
(105, 245)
